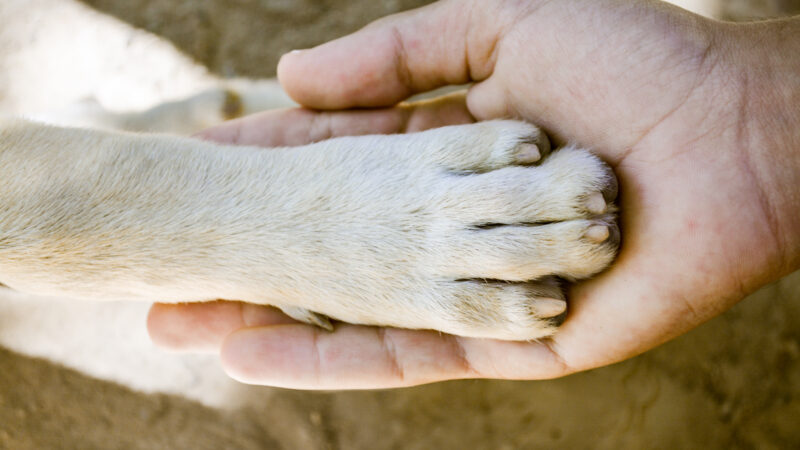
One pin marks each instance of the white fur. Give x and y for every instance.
(371, 230)
(60, 52)
(224, 100)
(108, 340)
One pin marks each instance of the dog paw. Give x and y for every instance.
(469, 230)
(464, 229)
(515, 219)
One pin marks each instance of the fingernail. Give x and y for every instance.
(292, 52)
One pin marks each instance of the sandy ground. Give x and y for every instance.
(732, 383)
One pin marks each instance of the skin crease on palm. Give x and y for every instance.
(694, 115)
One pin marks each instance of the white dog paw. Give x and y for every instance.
(462, 229)
(468, 230)
(501, 310)
(513, 229)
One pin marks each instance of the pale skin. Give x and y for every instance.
(698, 118)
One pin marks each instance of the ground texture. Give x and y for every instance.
(732, 383)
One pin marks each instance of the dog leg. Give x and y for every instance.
(462, 229)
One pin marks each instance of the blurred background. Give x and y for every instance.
(732, 383)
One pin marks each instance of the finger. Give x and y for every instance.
(357, 357)
(303, 126)
(352, 357)
(440, 44)
(201, 327)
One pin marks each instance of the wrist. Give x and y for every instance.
(763, 59)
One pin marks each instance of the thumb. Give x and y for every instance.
(395, 57)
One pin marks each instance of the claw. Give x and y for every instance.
(309, 317)
(596, 203)
(598, 233)
(528, 154)
(549, 307)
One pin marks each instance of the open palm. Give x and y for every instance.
(647, 86)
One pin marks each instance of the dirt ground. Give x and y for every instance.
(732, 383)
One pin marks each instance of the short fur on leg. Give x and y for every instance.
(450, 229)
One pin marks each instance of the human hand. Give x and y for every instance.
(671, 100)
